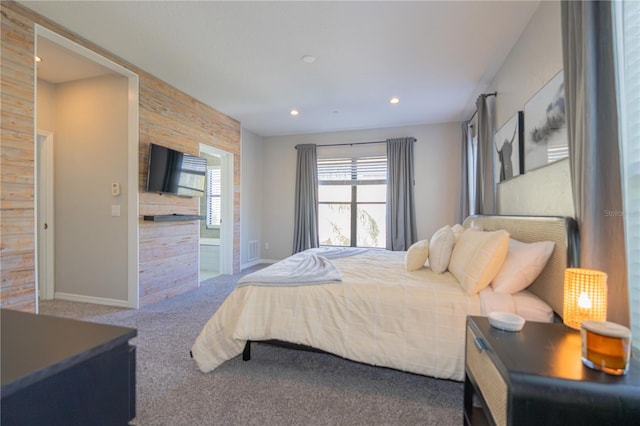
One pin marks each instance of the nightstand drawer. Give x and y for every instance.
(488, 380)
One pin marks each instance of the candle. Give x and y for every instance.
(606, 346)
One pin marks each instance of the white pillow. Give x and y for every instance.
(522, 266)
(457, 230)
(477, 258)
(524, 303)
(531, 307)
(416, 255)
(440, 247)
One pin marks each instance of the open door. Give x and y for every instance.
(44, 220)
(226, 206)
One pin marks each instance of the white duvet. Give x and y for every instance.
(379, 314)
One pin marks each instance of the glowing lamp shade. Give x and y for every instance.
(585, 296)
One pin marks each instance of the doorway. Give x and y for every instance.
(69, 61)
(216, 230)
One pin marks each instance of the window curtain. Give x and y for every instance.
(594, 151)
(305, 231)
(401, 211)
(485, 181)
(465, 190)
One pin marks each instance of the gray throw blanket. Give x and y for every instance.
(303, 268)
(336, 252)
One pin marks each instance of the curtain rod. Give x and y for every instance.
(476, 110)
(345, 144)
(352, 143)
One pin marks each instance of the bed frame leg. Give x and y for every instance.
(246, 353)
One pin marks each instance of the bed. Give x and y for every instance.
(364, 305)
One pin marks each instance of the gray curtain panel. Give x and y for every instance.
(594, 151)
(305, 231)
(485, 182)
(401, 210)
(464, 187)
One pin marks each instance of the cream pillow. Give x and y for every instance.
(522, 266)
(440, 247)
(477, 258)
(416, 255)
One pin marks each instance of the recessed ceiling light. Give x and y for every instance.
(394, 101)
(308, 59)
(38, 59)
(294, 112)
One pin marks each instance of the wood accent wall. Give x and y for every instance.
(17, 238)
(168, 252)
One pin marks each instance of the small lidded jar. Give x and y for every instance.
(606, 346)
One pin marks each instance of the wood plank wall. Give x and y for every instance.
(168, 253)
(17, 239)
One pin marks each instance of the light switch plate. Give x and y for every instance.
(115, 210)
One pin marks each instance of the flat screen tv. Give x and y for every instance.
(175, 172)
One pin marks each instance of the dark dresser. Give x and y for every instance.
(58, 371)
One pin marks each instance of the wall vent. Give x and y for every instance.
(253, 250)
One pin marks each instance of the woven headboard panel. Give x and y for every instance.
(561, 230)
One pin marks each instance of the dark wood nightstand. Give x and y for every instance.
(536, 377)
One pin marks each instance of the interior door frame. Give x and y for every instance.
(226, 206)
(133, 299)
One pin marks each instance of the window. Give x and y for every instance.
(213, 196)
(472, 153)
(628, 54)
(352, 201)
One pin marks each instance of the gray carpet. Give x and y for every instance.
(277, 387)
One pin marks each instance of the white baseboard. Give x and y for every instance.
(256, 262)
(90, 299)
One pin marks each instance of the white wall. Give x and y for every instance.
(545, 191)
(251, 199)
(437, 162)
(91, 148)
(534, 60)
(45, 115)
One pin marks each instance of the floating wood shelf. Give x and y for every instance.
(172, 217)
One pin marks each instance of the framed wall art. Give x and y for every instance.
(509, 148)
(545, 135)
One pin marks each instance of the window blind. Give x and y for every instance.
(350, 171)
(628, 54)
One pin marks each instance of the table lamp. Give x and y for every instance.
(585, 296)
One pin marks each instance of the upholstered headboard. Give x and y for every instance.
(561, 230)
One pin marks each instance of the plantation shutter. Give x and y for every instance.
(213, 196)
(628, 42)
